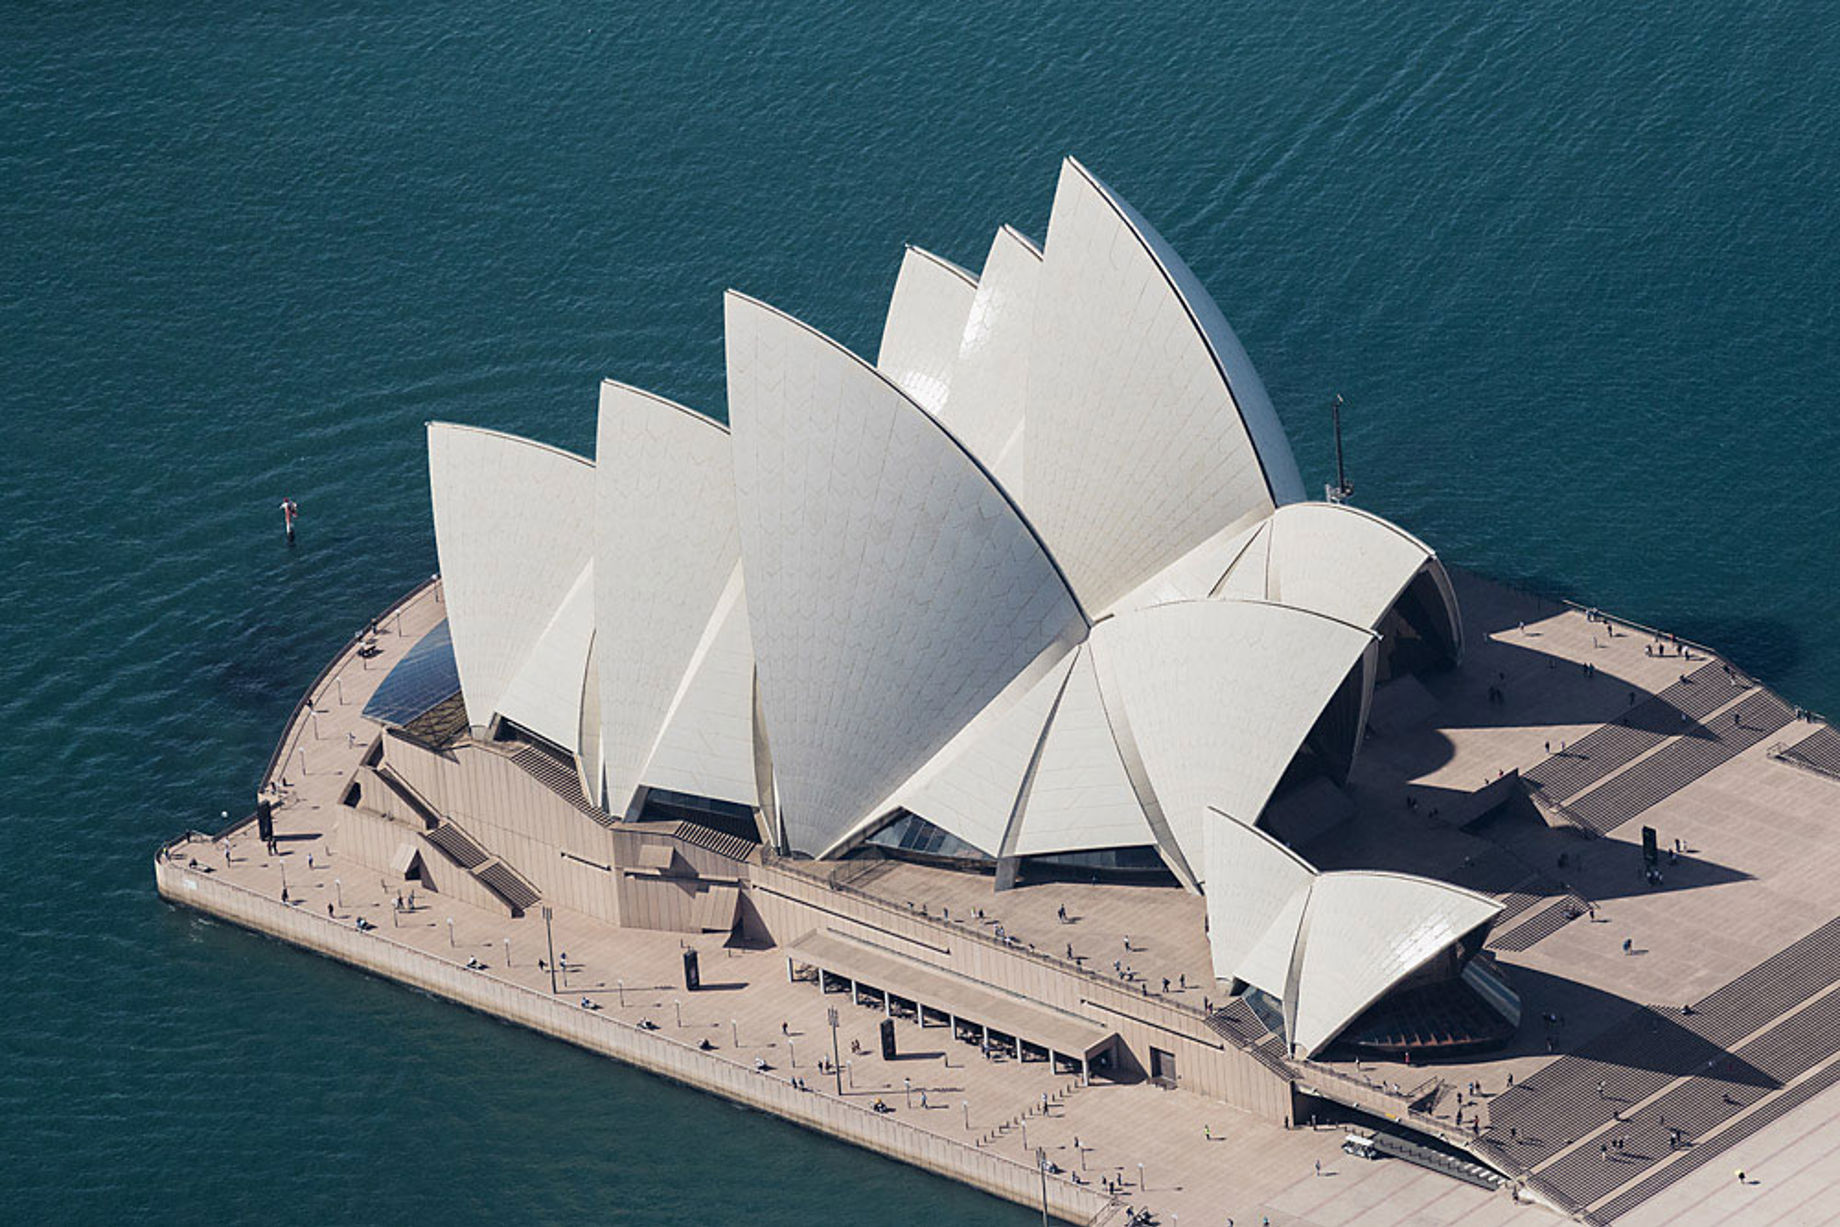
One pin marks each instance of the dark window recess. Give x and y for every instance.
(914, 834)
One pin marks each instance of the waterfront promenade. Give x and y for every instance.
(1757, 876)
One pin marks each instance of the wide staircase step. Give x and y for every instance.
(508, 884)
(459, 846)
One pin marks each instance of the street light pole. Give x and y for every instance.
(836, 1061)
(550, 933)
(679, 1007)
(338, 892)
(450, 932)
(1041, 1165)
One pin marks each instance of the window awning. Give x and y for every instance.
(943, 991)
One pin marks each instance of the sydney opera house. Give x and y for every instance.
(1037, 593)
(1010, 690)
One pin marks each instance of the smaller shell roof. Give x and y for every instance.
(1331, 558)
(1328, 944)
(1365, 931)
(1251, 881)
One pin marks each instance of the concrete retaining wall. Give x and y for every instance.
(651, 1051)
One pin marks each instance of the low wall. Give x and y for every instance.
(648, 1050)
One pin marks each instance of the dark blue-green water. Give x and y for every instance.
(1573, 264)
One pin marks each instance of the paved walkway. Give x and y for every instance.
(1760, 871)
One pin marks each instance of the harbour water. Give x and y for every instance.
(1572, 264)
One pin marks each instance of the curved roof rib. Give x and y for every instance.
(893, 590)
(1362, 933)
(1337, 560)
(667, 546)
(926, 317)
(991, 379)
(1210, 701)
(513, 526)
(1148, 430)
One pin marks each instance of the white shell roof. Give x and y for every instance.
(706, 745)
(1335, 559)
(893, 590)
(990, 381)
(545, 696)
(668, 544)
(1250, 879)
(841, 588)
(513, 524)
(926, 318)
(1362, 933)
(1270, 958)
(971, 787)
(1328, 945)
(1147, 429)
(1080, 795)
(1210, 701)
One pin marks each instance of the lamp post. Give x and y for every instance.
(315, 713)
(792, 1057)
(340, 682)
(836, 1064)
(450, 932)
(734, 1031)
(507, 952)
(1041, 1166)
(549, 933)
(849, 1071)
(1141, 1187)
(679, 1007)
(338, 893)
(907, 1090)
(622, 985)
(967, 1116)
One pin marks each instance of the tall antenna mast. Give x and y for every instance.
(1339, 492)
